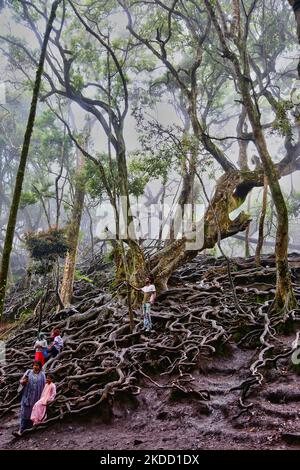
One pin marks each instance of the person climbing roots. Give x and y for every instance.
(148, 300)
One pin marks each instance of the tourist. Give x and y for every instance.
(148, 299)
(55, 348)
(40, 347)
(39, 410)
(32, 382)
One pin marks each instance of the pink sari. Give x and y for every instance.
(39, 411)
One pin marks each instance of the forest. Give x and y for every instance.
(149, 224)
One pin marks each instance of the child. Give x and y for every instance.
(148, 299)
(39, 410)
(57, 345)
(40, 346)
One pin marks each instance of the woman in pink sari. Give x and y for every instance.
(39, 411)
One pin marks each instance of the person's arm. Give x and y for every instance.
(52, 394)
(153, 294)
(135, 288)
(43, 378)
(24, 379)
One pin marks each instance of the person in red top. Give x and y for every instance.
(40, 346)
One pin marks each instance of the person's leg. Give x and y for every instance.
(145, 315)
(22, 423)
(149, 316)
(28, 424)
(53, 352)
(25, 422)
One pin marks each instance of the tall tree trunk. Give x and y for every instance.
(73, 233)
(261, 224)
(236, 23)
(58, 199)
(188, 168)
(135, 270)
(284, 297)
(243, 143)
(241, 126)
(247, 232)
(296, 7)
(185, 198)
(22, 164)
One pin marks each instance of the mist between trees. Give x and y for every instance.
(167, 103)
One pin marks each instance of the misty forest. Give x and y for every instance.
(149, 224)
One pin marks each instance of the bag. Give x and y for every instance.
(20, 388)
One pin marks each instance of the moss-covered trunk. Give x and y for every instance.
(261, 224)
(239, 59)
(284, 298)
(73, 233)
(129, 258)
(296, 7)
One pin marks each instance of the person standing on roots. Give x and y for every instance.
(33, 382)
(39, 410)
(40, 347)
(148, 300)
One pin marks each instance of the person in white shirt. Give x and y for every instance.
(148, 299)
(57, 345)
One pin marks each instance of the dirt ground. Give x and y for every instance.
(158, 420)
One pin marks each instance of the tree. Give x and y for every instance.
(45, 249)
(201, 82)
(235, 185)
(261, 224)
(22, 164)
(284, 298)
(73, 229)
(296, 7)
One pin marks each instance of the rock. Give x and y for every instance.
(291, 438)
(136, 442)
(203, 409)
(162, 415)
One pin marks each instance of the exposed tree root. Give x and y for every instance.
(193, 321)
